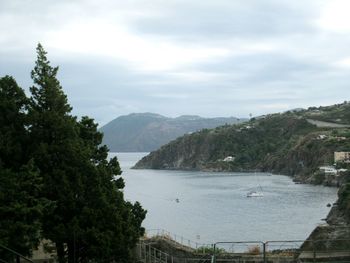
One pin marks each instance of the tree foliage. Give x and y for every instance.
(21, 204)
(85, 213)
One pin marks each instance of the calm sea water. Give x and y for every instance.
(213, 206)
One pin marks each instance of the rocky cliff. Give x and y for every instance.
(334, 235)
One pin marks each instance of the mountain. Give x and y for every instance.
(293, 143)
(145, 132)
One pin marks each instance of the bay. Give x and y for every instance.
(209, 207)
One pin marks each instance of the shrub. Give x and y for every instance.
(254, 250)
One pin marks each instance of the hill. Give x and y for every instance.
(145, 132)
(293, 143)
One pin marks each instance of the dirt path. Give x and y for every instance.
(323, 124)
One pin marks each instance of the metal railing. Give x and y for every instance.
(186, 242)
(290, 251)
(328, 250)
(148, 253)
(7, 254)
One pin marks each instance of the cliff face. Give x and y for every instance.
(336, 230)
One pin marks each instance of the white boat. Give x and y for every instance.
(254, 194)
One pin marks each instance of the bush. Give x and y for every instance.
(254, 250)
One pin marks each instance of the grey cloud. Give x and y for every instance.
(257, 82)
(223, 19)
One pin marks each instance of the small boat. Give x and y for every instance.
(177, 200)
(254, 194)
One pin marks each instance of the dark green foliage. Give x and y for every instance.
(56, 179)
(91, 220)
(13, 104)
(21, 209)
(21, 205)
(55, 149)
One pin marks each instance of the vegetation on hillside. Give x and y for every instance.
(56, 181)
(339, 113)
(281, 143)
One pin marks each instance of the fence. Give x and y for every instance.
(335, 250)
(149, 254)
(178, 239)
(291, 251)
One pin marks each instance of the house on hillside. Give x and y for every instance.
(342, 157)
(229, 159)
(340, 138)
(321, 136)
(328, 170)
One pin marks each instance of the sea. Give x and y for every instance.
(209, 207)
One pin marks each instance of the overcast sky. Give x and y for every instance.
(175, 57)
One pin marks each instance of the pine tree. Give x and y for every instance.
(21, 206)
(90, 220)
(111, 225)
(55, 144)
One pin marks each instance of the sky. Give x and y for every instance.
(183, 57)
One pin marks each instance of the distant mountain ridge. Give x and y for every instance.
(145, 132)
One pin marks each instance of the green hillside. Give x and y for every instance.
(288, 143)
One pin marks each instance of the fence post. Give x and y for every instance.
(140, 246)
(264, 252)
(213, 259)
(150, 253)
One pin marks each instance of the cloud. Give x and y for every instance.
(343, 63)
(174, 57)
(335, 16)
(99, 37)
(217, 20)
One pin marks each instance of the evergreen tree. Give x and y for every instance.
(20, 203)
(13, 105)
(111, 225)
(55, 149)
(90, 220)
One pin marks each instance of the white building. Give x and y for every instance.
(321, 136)
(229, 159)
(342, 157)
(328, 169)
